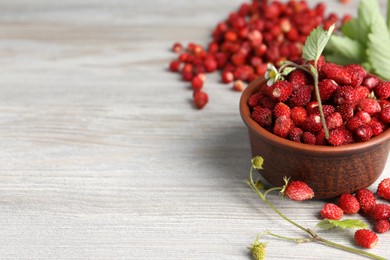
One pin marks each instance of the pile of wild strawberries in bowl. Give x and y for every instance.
(355, 105)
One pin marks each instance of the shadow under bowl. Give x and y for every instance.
(329, 171)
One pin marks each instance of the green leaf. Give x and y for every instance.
(346, 47)
(337, 58)
(288, 70)
(378, 48)
(346, 223)
(315, 43)
(388, 15)
(351, 29)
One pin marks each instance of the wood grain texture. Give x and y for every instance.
(102, 154)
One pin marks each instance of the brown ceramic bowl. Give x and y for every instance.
(329, 171)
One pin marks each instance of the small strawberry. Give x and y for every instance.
(313, 123)
(370, 82)
(309, 138)
(380, 211)
(238, 85)
(300, 96)
(334, 120)
(267, 102)
(283, 125)
(255, 100)
(263, 116)
(364, 116)
(346, 111)
(336, 73)
(299, 78)
(354, 123)
(200, 99)
(197, 83)
(369, 105)
(385, 115)
(366, 238)
(298, 191)
(327, 109)
(281, 90)
(384, 189)
(382, 91)
(345, 95)
(281, 109)
(321, 139)
(337, 137)
(362, 93)
(298, 115)
(357, 73)
(327, 87)
(366, 200)
(331, 211)
(296, 134)
(382, 226)
(377, 126)
(364, 133)
(312, 107)
(349, 204)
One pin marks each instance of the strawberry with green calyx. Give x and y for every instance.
(298, 190)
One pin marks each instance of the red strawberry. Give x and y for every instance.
(349, 204)
(364, 116)
(309, 138)
(345, 95)
(255, 100)
(298, 78)
(300, 96)
(313, 123)
(267, 102)
(380, 211)
(366, 238)
(298, 190)
(321, 139)
(385, 114)
(331, 211)
(357, 73)
(281, 109)
(384, 189)
(382, 91)
(200, 99)
(282, 126)
(371, 106)
(370, 82)
(346, 111)
(366, 200)
(238, 85)
(354, 123)
(337, 137)
(298, 115)
(337, 73)
(382, 226)
(296, 134)
(364, 133)
(377, 126)
(281, 90)
(312, 107)
(263, 116)
(334, 120)
(327, 87)
(327, 109)
(362, 92)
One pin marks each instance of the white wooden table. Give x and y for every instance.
(102, 154)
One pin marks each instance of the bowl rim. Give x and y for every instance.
(291, 145)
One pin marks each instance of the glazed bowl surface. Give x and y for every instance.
(329, 171)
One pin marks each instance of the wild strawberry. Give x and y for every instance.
(369, 105)
(281, 109)
(331, 211)
(366, 238)
(321, 139)
(385, 114)
(346, 111)
(337, 73)
(354, 123)
(174, 66)
(364, 133)
(382, 91)
(377, 126)
(382, 226)
(312, 107)
(384, 103)
(200, 99)
(362, 92)
(282, 126)
(177, 47)
(366, 200)
(197, 83)
(255, 100)
(298, 78)
(349, 138)
(309, 138)
(345, 95)
(300, 96)
(298, 115)
(281, 90)
(370, 82)
(263, 116)
(268, 102)
(380, 211)
(313, 123)
(364, 116)
(327, 109)
(327, 87)
(384, 189)
(349, 204)
(295, 134)
(334, 120)
(298, 191)
(227, 77)
(337, 137)
(238, 86)
(357, 73)
(210, 64)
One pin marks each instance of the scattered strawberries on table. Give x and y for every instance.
(366, 238)
(331, 211)
(298, 191)
(356, 106)
(258, 33)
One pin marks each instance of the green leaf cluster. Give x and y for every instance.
(346, 223)
(365, 40)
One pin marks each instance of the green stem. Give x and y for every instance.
(318, 97)
(270, 190)
(296, 240)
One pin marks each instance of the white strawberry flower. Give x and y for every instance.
(272, 75)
